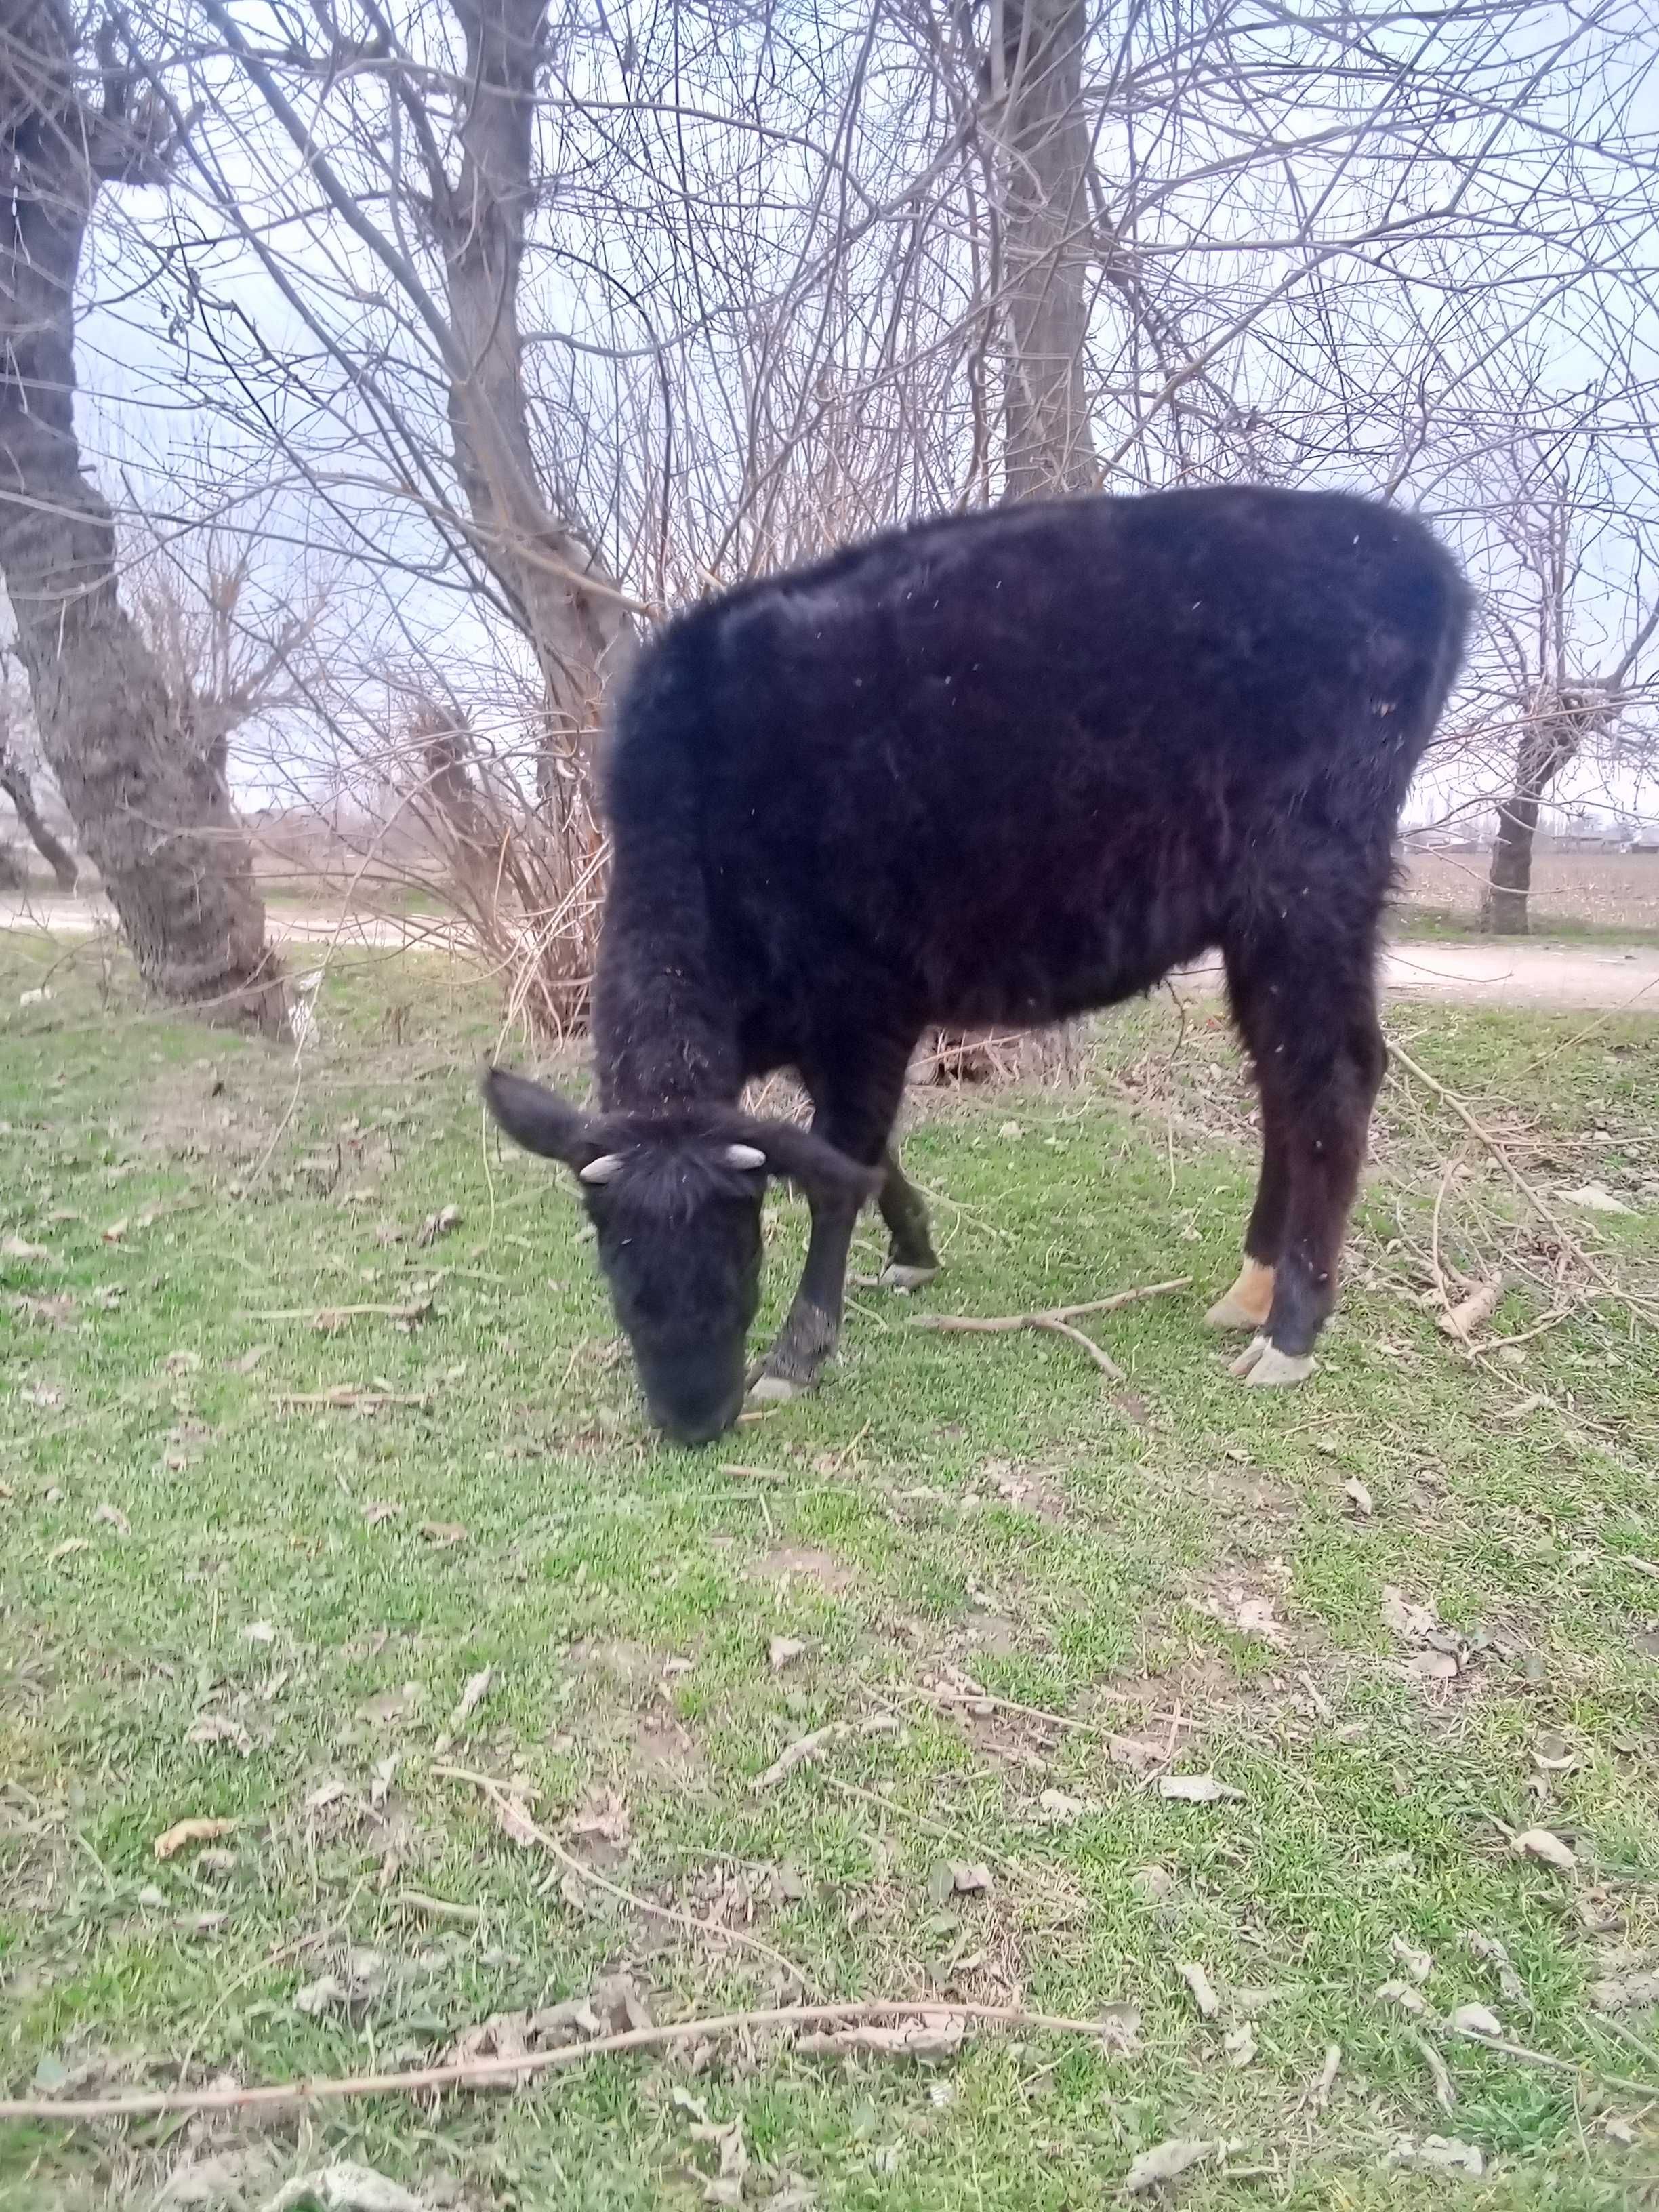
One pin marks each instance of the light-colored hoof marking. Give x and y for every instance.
(1263, 1366)
(896, 1277)
(1249, 1301)
(775, 1390)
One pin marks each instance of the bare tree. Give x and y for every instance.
(19, 787)
(1045, 168)
(153, 809)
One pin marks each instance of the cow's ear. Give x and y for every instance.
(540, 1120)
(819, 1169)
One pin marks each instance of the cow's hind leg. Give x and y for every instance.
(1248, 1303)
(911, 1260)
(1309, 1014)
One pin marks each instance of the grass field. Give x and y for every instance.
(1397, 1617)
(1598, 894)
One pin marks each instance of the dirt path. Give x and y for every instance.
(1600, 977)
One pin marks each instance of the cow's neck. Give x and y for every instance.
(664, 1031)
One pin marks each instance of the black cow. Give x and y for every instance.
(1000, 768)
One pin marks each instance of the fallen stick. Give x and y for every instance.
(330, 1316)
(348, 1398)
(470, 2072)
(511, 1803)
(1056, 1320)
(807, 1748)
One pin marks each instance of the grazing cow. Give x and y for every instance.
(1001, 768)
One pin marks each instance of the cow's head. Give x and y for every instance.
(675, 1201)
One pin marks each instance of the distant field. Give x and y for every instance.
(1617, 891)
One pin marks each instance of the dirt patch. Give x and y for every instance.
(663, 1749)
(197, 1114)
(618, 1665)
(1243, 1492)
(793, 1563)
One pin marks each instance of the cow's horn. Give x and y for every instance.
(602, 1169)
(744, 1155)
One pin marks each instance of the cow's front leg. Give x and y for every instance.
(855, 1083)
(812, 1325)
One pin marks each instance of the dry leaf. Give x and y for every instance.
(1543, 1843)
(441, 1535)
(438, 1224)
(1439, 2155)
(379, 1510)
(1358, 1496)
(1203, 1989)
(258, 1632)
(1445, 2094)
(1625, 1993)
(116, 1231)
(324, 1795)
(183, 1834)
(1474, 2020)
(344, 2188)
(1195, 1788)
(514, 1819)
(326, 1994)
(1408, 1997)
(1461, 1321)
(19, 1248)
(1510, 1983)
(250, 1360)
(1554, 1754)
(1166, 2162)
(1413, 1622)
(472, 1696)
(1239, 2044)
(182, 1362)
(1597, 1200)
(1120, 2029)
(1435, 1665)
(1317, 2094)
(66, 1549)
(45, 1396)
(111, 1516)
(605, 1820)
(1419, 1965)
(1059, 1810)
(782, 1649)
(219, 1728)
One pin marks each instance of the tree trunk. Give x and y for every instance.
(1503, 907)
(576, 620)
(1049, 450)
(153, 814)
(1556, 725)
(14, 783)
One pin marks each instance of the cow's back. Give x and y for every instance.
(1011, 764)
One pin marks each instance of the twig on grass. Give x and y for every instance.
(510, 1803)
(476, 2073)
(332, 1316)
(1055, 1320)
(346, 1397)
(807, 1748)
(1529, 1191)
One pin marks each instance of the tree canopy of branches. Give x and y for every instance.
(539, 318)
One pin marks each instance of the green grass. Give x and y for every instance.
(1459, 925)
(982, 1505)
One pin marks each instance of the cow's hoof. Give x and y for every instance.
(1263, 1366)
(895, 1276)
(775, 1390)
(1249, 1301)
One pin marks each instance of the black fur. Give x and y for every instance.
(1003, 768)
